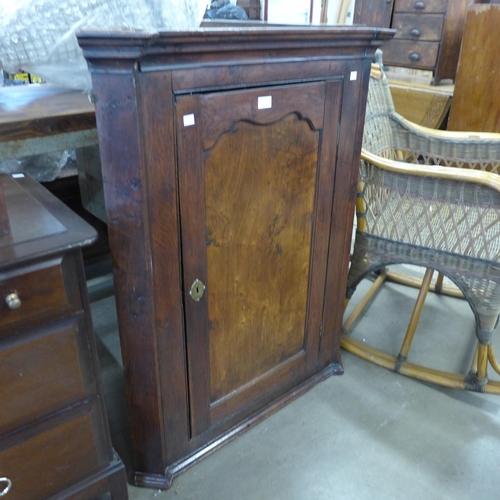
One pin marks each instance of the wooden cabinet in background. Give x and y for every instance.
(476, 100)
(230, 161)
(429, 32)
(54, 438)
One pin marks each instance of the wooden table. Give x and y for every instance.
(43, 118)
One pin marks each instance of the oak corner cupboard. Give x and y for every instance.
(229, 162)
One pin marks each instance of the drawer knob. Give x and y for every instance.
(7, 484)
(420, 5)
(415, 56)
(415, 32)
(13, 301)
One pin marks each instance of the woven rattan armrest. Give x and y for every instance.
(449, 135)
(453, 148)
(487, 179)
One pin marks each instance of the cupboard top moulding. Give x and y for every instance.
(189, 54)
(229, 162)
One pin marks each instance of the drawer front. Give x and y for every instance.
(38, 292)
(421, 55)
(414, 27)
(52, 460)
(44, 371)
(427, 6)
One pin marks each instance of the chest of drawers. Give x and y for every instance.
(429, 32)
(54, 437)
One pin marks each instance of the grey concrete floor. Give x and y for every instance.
(367, 434)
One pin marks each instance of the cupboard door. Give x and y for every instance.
(256, 184)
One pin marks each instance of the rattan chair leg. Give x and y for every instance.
(438, 286)
(493, 360)
(473, 367)
(482, 362)
(364, 301)
(415, 316)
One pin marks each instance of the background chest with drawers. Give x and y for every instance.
(429, 32)
(54, 438)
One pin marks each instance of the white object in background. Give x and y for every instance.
(288, 11)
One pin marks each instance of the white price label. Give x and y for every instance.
(265, 102)
(188, 120)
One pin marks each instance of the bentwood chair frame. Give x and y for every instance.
(428, 198)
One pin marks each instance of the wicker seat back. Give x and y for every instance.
(411, 210)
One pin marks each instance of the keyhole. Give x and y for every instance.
(197, 290)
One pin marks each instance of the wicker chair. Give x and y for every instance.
(428, 198)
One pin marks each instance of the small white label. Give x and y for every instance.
(188, 120)
(353, 76)
(265, 102)
(17, 176)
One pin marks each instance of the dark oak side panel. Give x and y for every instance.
(353, 99)
(157, 113)
(125, 190)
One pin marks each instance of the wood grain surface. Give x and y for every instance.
(259, 226)
(476, 101)
(40, 110)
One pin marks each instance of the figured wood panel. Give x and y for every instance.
(52, 356)
(476, 101)
(259, 208)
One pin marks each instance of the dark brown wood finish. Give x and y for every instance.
(373, 12)
(203, 182)
(451, 41)
(476, 102)
(54, 438)
(4, 216)
(423, 28)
